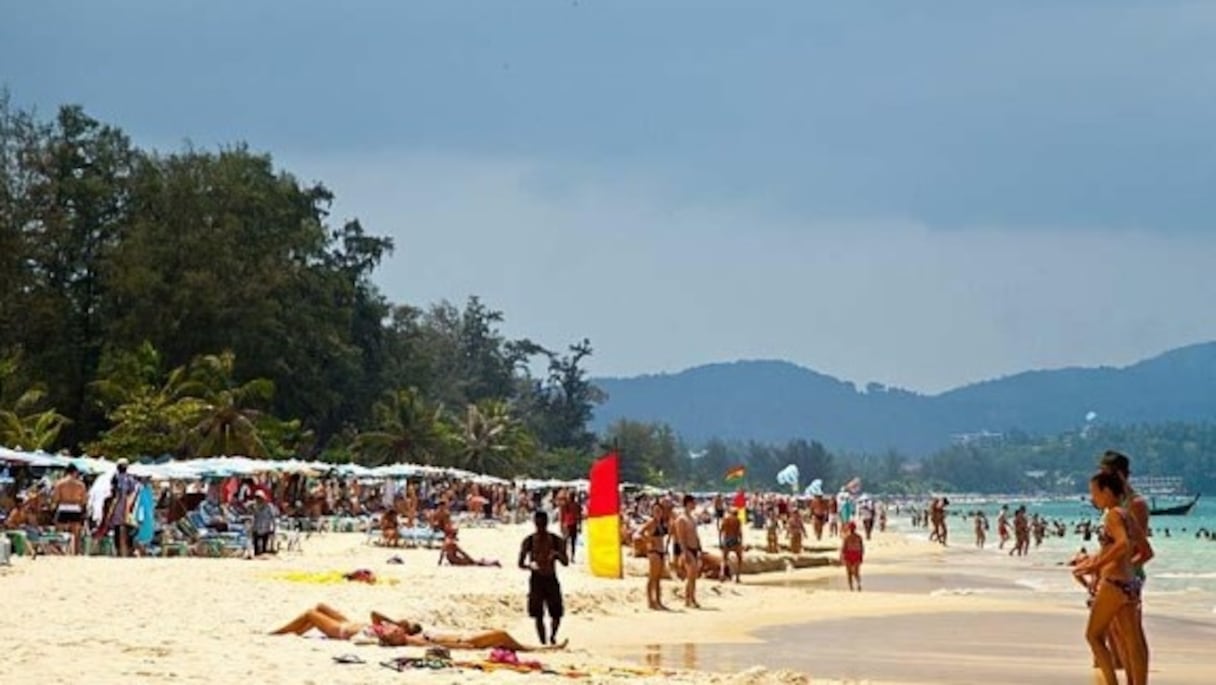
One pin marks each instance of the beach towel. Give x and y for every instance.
(98, 494)
(327, 578)
(145, 515)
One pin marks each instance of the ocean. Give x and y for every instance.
(1181, 578)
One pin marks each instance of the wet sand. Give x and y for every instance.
(904, 583)
(949, 649)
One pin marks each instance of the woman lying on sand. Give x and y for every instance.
(454, 555)
(392, 633)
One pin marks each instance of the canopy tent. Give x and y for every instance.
(223, 467)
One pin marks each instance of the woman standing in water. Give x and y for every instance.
(1115, 588)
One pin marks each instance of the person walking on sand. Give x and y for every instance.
(732, 543)
(866, 508)
(1138, 511)
(690, 550)
(538, 554)
(819, 515)
(122, 501)
(852, 552)
(1114, 586)
(572, 521)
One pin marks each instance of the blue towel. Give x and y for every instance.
(146, 516)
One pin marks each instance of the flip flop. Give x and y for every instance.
(395, 560)
(349, 659)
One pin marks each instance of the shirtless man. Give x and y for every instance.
(732, 542)
(538, 554)
(819, 515)
(68, 501)
(690, 550)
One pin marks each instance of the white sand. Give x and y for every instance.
(103, 620)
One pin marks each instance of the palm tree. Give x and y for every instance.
(227, 417)
(146, 418)
(22, 426)
(492, 440)
(409, 430)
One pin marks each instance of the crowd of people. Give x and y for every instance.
(1113, 575)
(666, 529)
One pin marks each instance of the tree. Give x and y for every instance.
(23, 426)
(228, 418)
(77, 208)
(22, 422)
(567, 400)
(492, 440)
(408, 429)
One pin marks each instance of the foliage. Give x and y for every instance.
(201, 302)
(407, 429)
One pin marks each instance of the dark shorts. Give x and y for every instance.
(69, 517)
(544, 593)
(719, 513)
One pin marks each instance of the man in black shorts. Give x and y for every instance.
(539, 553)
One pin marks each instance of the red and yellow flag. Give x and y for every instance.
(604, 518)
(735, 474)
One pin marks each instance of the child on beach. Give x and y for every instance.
(852, 551)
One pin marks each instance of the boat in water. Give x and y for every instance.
(1176, 510)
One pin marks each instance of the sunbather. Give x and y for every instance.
(458, 557)
(403, 633)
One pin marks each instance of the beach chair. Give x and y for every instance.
(49, 541)
(288, 540)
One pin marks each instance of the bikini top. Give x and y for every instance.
(660, 530)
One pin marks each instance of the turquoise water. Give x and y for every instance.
(1182, 576)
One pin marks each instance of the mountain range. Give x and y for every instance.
(776, 401)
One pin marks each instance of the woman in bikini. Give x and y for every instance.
(403, 633)
(455, 556)
(1115, 587)
(852, 552)
(655, 533)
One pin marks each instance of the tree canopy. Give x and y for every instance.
(202, 302)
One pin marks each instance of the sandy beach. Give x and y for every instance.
(929, 616)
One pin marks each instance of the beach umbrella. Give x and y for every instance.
(815, 488)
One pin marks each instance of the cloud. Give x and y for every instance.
(660, 281)
(1063, 114)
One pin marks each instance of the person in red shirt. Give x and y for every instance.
(571, 521)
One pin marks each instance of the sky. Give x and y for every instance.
(918, 194)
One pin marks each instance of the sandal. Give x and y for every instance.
(349, 659)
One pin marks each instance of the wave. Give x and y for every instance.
(962, 591)
(1182, 575)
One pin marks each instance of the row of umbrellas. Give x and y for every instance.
(223, 467)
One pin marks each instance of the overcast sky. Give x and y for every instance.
(921, 194)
